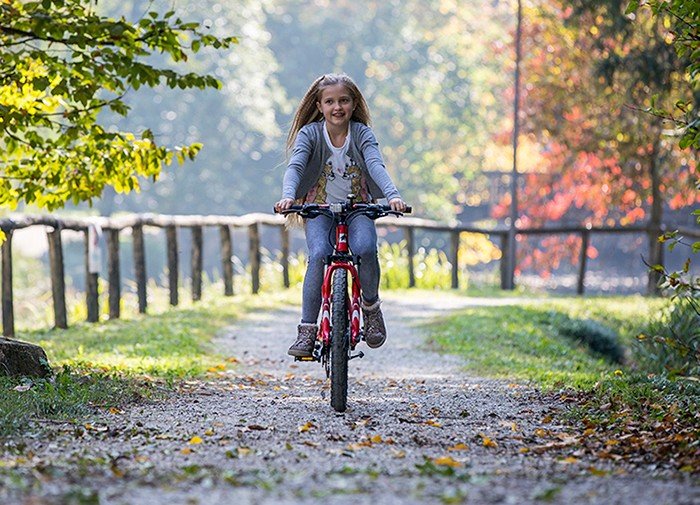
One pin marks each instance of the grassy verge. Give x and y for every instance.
(107, 365)
(529, 341)
(657, 418)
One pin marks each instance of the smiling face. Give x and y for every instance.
(336, 105)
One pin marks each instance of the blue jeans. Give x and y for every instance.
(320, 237)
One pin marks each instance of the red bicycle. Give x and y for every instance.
(340, 330)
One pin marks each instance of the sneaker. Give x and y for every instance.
(304, 345)
(375, 330)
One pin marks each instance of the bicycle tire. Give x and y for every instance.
(339, 341)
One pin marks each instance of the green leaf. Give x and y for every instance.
(632, 7)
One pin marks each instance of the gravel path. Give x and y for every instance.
(418, 429)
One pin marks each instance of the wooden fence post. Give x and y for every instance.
(171, 239)
(91, 277)
(254, 256)
(197, 244)
(284, 236)
(505, 257)
(8, 313)
(58, 281)
(583, 260)
(454, 258)
(139, 250)
(113, 273)
(409, 235)
(226, 254)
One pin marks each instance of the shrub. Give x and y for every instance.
(597, 337)
(670, 345)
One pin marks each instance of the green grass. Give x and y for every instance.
(173, 343)
(524, 341)
(69, 395)
(109, 364)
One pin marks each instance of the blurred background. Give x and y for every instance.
(439, 77)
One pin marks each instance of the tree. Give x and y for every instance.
(589, 70)
(237, 169)
(682, 17)
(64, 63)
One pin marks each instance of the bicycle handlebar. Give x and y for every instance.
(371, 210)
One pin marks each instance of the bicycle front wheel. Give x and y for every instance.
(339, 341)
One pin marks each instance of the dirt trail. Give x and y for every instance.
(270, 436)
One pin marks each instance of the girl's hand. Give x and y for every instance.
(284, 204)
(397, 204)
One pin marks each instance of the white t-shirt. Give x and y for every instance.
(336, 170)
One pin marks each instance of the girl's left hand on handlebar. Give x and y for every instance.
(283, 204)
(397, 204)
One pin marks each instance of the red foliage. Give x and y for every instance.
(596, 151)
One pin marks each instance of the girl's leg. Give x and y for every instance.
(317, 233)
(363, 242)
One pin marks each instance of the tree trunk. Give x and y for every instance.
(656, 251)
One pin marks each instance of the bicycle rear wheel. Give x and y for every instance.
(339, 341)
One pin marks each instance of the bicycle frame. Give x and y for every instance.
(341, 259)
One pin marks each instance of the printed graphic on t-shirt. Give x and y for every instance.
(335, 184)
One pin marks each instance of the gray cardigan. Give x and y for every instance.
(310, 151)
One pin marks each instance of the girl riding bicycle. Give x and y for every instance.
(335, 153)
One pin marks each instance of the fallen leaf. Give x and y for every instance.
(376, 439)
(209, 432)
(569, 460)
(116, 471)
(306, 427)
(595, 471)
(115, 410)
(459, 447)
(447, 461)
(523, 450)
(195, 440)
(243, 451)
(185, 450)
(433, 422)
(488, 442)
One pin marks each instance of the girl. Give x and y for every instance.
(334, 153)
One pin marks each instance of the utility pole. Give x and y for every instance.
(508, 280)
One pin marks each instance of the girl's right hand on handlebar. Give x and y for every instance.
(283, 204)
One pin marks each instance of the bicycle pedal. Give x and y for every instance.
(358, 355)
(304, 358)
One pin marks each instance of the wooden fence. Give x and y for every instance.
(112, 227)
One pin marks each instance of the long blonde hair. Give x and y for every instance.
(308, 112)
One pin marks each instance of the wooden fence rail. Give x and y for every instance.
(111, 227)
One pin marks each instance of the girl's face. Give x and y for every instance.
(336, 105)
